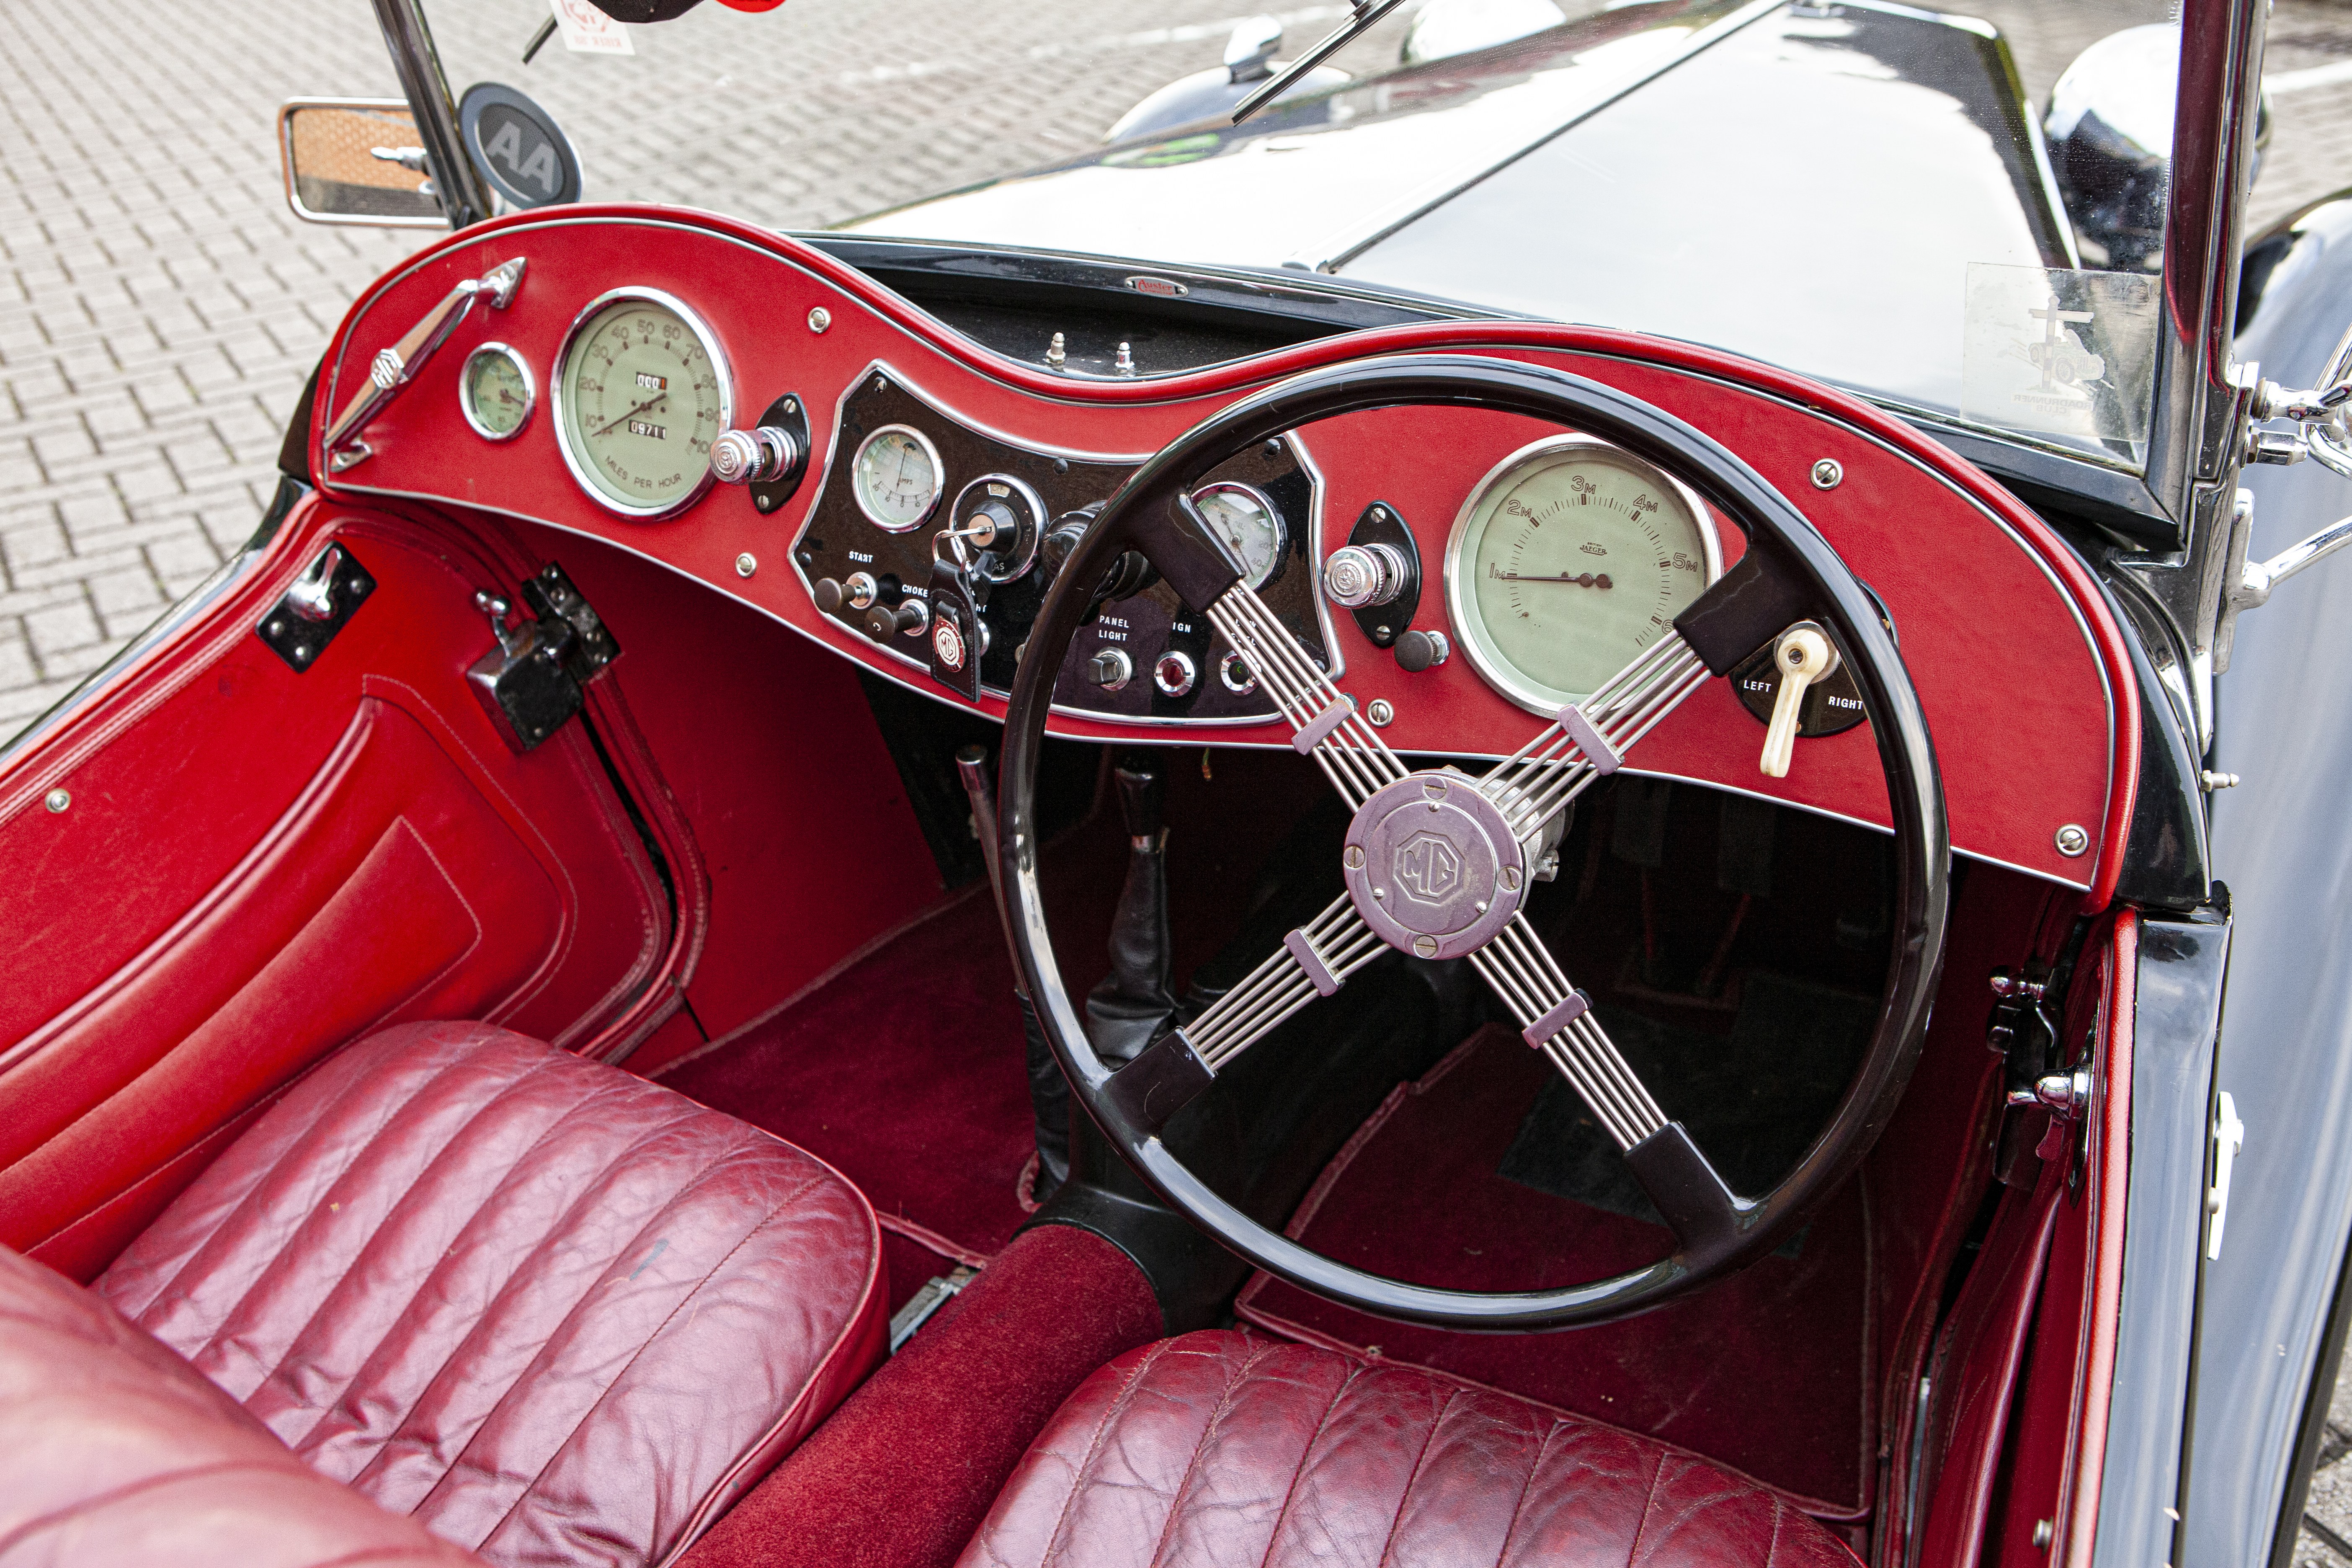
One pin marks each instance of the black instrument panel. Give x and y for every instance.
(1146, 619)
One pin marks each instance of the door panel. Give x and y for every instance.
(258, 865)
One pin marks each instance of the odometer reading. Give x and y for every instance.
(1567, 561)
(642, 394)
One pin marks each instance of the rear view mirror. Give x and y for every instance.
(356, 161)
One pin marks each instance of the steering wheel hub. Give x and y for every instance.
(1432, 866)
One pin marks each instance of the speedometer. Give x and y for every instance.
(1566, 561)
(642, 390)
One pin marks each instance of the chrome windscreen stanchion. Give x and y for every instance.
(1049, 1091)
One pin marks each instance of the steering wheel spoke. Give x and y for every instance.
(1328, 728)
(1589, 740)
(1315, 960)
(1557, 1019)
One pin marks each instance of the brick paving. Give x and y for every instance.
(159, 306)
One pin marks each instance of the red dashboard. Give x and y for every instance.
(2022, 673)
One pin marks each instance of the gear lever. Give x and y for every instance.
(1049, 1091)
(1130, 1006)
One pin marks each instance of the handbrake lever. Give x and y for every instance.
(1049, 1091)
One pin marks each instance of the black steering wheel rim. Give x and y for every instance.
(1898, 723)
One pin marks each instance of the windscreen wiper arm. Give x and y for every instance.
(1367, 12)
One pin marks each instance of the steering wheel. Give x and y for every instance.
(1493, 826)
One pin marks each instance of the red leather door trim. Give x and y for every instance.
(356, 908)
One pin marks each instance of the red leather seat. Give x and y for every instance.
(1220, 1448)
(552, 1311)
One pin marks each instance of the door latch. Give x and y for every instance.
(530, 683)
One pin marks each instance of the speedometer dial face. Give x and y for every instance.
(1249, 523)
(896, 477)
(1568, 560)
(642, 392)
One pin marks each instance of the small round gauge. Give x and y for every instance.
(1566, 561)
(641, 392)
(1249, 525)
(495, 392)
(896, 477)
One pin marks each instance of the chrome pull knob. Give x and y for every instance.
(1358, 576)
(753, 457)
(910, 617)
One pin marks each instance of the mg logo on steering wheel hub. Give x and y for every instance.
(1432, 866)
(1428, 867)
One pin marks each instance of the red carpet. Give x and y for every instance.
(1765, 1372)
(905, 1072)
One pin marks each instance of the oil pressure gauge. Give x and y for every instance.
(1249, 523)
(896, 477)
(495, 392)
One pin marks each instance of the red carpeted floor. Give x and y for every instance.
(1766, 1373)
(904, 1071)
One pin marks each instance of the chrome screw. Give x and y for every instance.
(1510, 878)
(1425, 945)
(746, 563)
(1827, 473)
(57, 800)
(820, 319)
(2072, 840)
(1381, 714)
(2214, 781)
(1355, 857)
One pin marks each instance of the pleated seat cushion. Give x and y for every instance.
(553, 1311)
(1218, 1448)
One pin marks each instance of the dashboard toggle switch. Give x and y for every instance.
(1803, 656)
(753, 457)
(1111, 669)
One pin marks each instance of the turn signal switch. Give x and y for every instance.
(753, 457)
(1802, 656)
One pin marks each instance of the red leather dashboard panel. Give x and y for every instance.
(2021, 667)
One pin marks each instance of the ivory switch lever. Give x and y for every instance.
(1803, 656)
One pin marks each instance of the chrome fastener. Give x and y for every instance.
(820, 319)
(2065, 1095)
(1828, 474)
(57, 800)
(2071, 840)
(2214, 781)
(746, 563)
(1381, 713)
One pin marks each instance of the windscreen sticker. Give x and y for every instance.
(2062, 353)
(588, 31)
